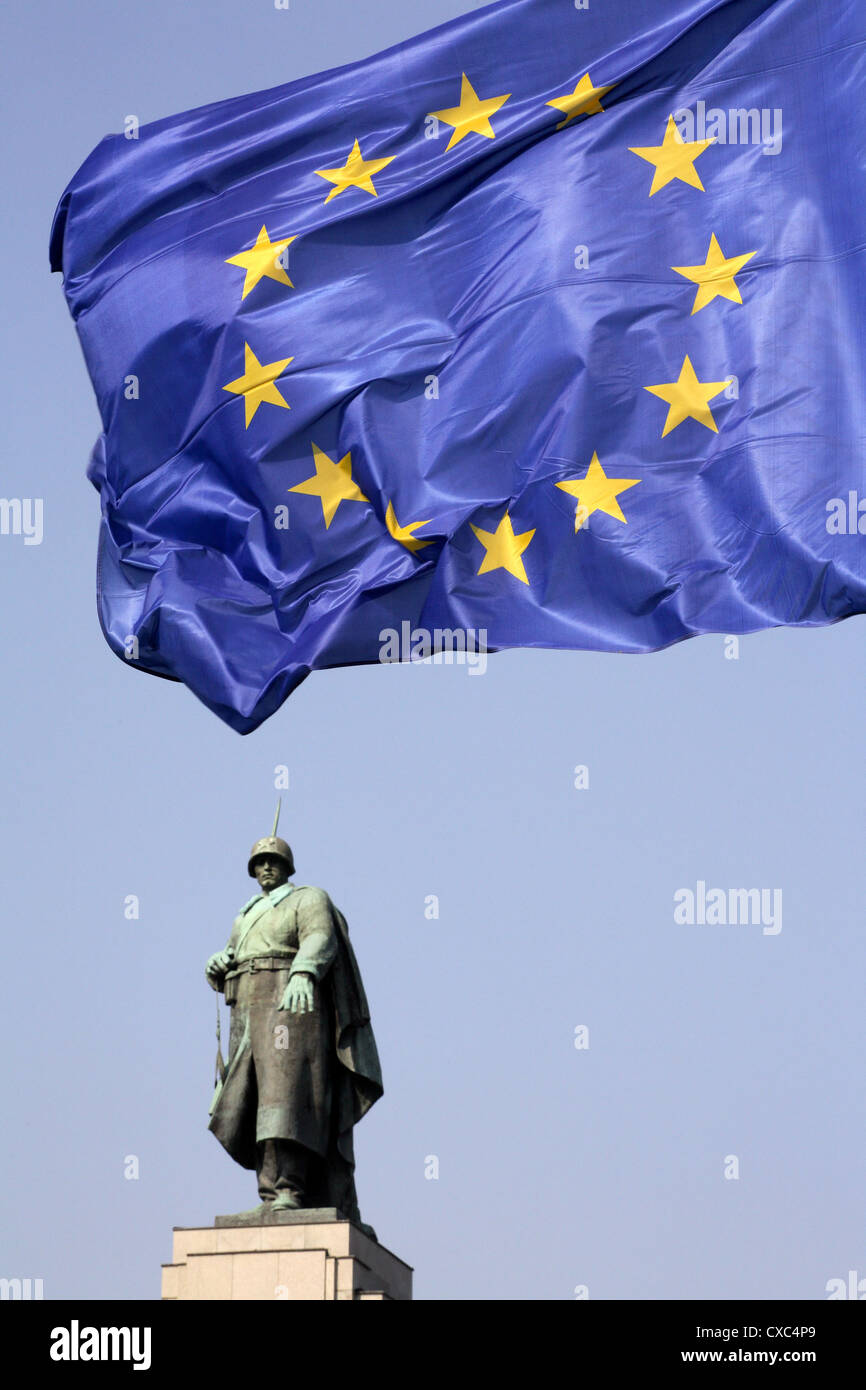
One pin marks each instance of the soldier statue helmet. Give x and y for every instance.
(271, 844)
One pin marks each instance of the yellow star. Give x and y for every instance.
(257, 384)
(331, 483)
(403, 534)
(716, 276)
(472, 116)
(583, 100)
(674, 159)
(688, 398)
(596, 493)
(504, 549)
(357, 172)
(262, 259)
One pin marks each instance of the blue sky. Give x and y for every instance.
(558, 1166)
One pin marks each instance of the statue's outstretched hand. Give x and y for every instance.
(298, 997)
(217, 966)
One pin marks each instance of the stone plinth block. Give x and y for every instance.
(307, 1256)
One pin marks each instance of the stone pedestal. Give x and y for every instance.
(300, 1256)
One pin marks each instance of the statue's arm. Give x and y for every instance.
(317, 947)
(317, 935)
(221, 962)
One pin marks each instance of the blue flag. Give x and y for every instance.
(546, 328)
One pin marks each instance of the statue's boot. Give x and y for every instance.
(286, 1200)
(283, 1168)
(254, 1214)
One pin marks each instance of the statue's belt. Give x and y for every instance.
(261, 963)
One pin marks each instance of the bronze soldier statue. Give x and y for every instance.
(302, 1066)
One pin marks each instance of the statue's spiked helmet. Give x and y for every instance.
(272, 844)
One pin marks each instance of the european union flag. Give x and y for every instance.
(547, 324)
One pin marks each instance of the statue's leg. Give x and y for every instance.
(281, 1166)
(291, 1163)
(266, 1169)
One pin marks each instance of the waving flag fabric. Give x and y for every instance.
(547, 324)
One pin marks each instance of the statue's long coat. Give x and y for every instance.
(330, 1053)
